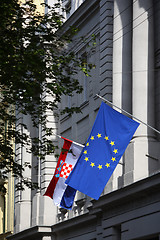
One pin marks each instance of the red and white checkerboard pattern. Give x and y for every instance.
(66, 169)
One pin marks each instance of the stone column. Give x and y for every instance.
(23, 198)
(44, 211)
(143, 65)
(122, 59)
(122, 63)
(145, 146)
(157, 63)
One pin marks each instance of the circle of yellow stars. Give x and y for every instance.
(112, 143)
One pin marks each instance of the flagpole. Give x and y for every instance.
(71, 140)
(128, 114)
(81, 145)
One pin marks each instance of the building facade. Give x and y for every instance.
(126, 55)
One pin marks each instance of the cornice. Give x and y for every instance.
(83, 12)
(137, 190)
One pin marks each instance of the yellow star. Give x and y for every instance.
(115, 151)
(86, 159)
(92, 138)
(106, 138)
(100, 167)
(92, 164)
(99, 135)
(107, 165)
(87, 144)
(112, 143)
(113, 159)
(85, 152)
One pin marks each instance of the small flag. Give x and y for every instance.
(110, 135)
(62, 194)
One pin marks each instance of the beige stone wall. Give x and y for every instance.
(7, 209)
(40, 7)
(1, 212)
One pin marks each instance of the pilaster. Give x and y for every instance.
(144, 143)
(122, 65)
(23, 198)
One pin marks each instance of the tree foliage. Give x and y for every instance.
(34, 61)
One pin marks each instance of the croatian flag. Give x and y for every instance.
(62, 194)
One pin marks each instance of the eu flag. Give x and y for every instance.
(110, 135)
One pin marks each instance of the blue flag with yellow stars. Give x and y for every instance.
(110, 135)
